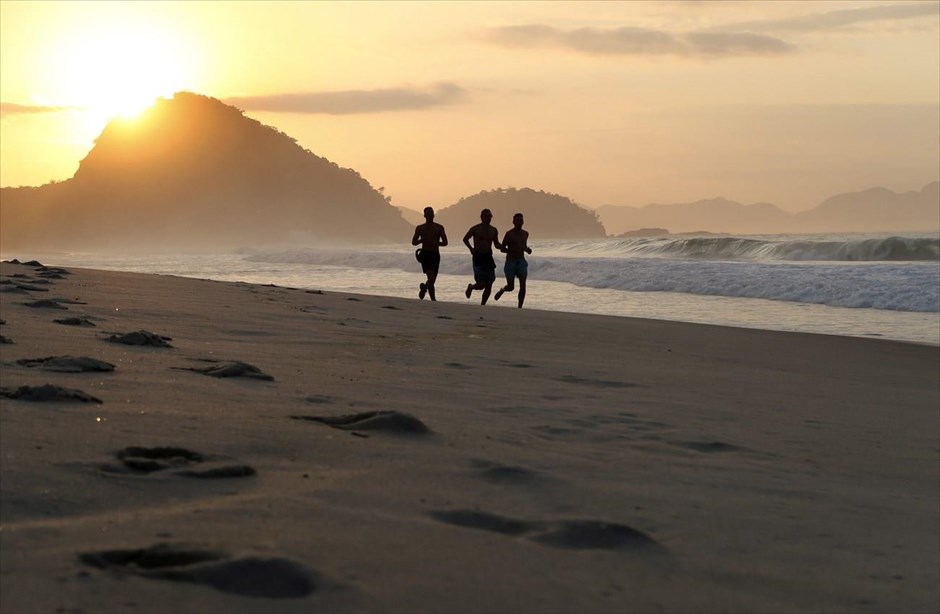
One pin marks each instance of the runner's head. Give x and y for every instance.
(518, 220)
(428, 213)
(486, 216)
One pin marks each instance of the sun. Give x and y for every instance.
(119, 72)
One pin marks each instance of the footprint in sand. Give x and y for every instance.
(594, 535)
(392, 422)
(13, 289)
(708, 446)
(565, 534)
(171, 460)
(229, 369)
(600, 383)
(31, 288)
(50, 275)
(46, 271)
(473, 519)
(498, 473)
(74, 321)
(54, 303)
(47, 393)
(27, 285)
(141, 337)
(250, 576)
(66, 364)
(5, 340)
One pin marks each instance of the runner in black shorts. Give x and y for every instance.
(484, 267)
(432, 237)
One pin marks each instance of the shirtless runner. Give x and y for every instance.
(432, 237)
(484, 267)
(516, 246)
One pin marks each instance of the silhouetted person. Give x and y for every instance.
(484, 267)
(432, 237)
(516, 246)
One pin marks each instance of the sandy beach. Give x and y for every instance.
(267, 449)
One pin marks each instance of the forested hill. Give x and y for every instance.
(546, 215)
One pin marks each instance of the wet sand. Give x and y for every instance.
(180, 445)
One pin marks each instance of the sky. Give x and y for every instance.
(607, 103)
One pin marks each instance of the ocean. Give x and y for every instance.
(884, 286)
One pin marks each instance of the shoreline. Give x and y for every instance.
(389, 454)
(547, 295)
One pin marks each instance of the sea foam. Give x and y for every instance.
(867, 273)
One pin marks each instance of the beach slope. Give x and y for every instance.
(182, 445)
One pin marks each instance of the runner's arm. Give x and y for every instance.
(503, 247)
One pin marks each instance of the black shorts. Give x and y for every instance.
(484, 268)
(430, 261)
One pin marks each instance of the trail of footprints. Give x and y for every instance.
(246, 575)
(254, 576)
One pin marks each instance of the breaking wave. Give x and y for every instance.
(866, 274)
(879, 249)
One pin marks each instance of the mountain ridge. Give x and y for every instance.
(875, 209)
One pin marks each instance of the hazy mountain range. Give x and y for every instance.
(872, 210)
(193, 172)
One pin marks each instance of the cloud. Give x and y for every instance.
(12, 108)
(354, 101)
(639, 41)
(838, 19)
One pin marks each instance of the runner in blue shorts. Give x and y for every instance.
(516, 246)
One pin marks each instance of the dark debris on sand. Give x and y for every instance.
(54, 303)
(141, 337)
(251, 576)
(179, 461)
(46, 393)
(385, 421)
(74, 321)
(230, 369)
(66, 364)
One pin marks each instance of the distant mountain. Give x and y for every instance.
(411, 216)
(715, 215)
(876, 209)
(194, 172)
(546, 215)
(873, 210)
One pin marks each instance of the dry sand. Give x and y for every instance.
(537, 462)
